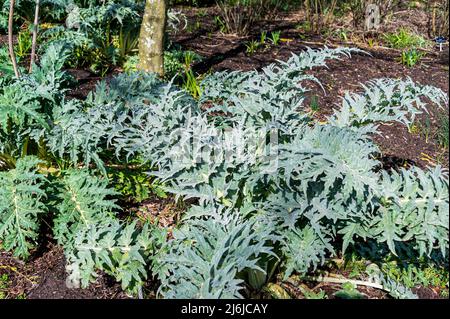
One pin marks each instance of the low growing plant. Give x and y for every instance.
(252, 47)
(404, 39)
(275, 37)
(411, 57)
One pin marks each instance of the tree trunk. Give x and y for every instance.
(35, 31)
(10, 39)
(151, 38)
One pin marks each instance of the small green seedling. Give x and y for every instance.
(263, 37)
(252, 47)
(314, 104)
(309, 294)
(220, 24)
(349, 291)
(202, 13)
(275, 37)
(411, 57)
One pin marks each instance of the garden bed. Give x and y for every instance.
(223, 52)
(44, 276)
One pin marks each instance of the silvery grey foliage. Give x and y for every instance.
(415, 208)
(304, 250)
(176, 20)
(271, 97)
(394, 288)
(325, 176)
(210, 251)
(386, 100)
(129, 116)
(258, 167)
(22, 198)
(123, 251)
(84, 200)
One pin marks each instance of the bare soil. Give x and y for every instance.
(44, 277)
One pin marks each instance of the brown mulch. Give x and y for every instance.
(296, 290)
(44, 277)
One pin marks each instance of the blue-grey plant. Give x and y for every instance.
(124, 251)
(209, 252)
(270, 186)
(22, 199)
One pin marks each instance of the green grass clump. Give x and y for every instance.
(404, 39)
(411, 57)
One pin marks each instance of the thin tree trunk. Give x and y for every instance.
(35, 32)
(10, 39)
(151, 38)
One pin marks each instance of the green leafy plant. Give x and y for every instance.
(395, 288)
(348, 291)
(135, 184)
(23, 47)
(127, 41)
(424, 128)
(252, 47)
(267, 188)
(130, 64)
(304, 26)
(411, 57)
(315, 104)
(178, 62)
(275, 37)
(21, 206)
(26, 108)
(314, 295)
(404, 39)
(4, 283)
(97, 35)
(6, 69)
(191, 84)
(371, 42)
(122, 251)
(263, 37)
(85, 200)
(412, 275)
